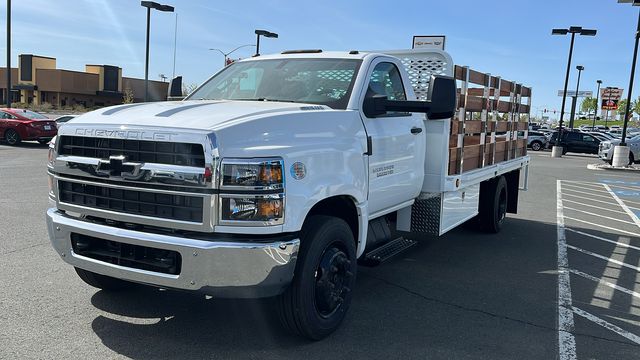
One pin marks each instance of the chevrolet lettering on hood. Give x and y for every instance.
(127, 134)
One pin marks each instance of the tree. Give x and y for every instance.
(635, 106)
(127, 96)
(622, 106)
(188, 88)
(588, 105)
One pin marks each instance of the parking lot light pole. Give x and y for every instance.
(573, 30)
(575, 98)
(621, 152)
(264, 33)
(595, 111)
(150, 5)
(230, 52)
(8, 54)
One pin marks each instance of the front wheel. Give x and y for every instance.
(536, 146)
(318, 299)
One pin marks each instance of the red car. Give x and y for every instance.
(22, 124)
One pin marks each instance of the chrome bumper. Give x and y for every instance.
(219, 268)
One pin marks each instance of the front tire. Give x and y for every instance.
(536, 146)
(12, 137)
(101, 281)
(319, 296)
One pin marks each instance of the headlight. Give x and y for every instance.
(252, 192)
(258, 210)
(254, 174)
(606, 146)
(51, 157)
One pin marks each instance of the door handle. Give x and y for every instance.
(416, 130)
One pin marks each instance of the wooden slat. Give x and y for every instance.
(502, 126)
(524, 109)
(474, 103)
(454, 127)
(472, 126)
(503, 106)
(526, 92)
(471, 140)
(477, 77)
(453, 141)
(471, 157)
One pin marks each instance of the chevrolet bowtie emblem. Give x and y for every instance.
(118, 166)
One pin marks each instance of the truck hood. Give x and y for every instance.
(192, 115)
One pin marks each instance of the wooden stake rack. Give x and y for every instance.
(491, 122)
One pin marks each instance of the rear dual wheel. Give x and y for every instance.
(493, 205)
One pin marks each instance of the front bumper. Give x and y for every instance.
(219, 268)
(605, 155)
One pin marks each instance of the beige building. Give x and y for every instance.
(37, 80)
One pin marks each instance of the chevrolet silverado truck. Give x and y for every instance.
(281, 173)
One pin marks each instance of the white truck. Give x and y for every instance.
(281, 173)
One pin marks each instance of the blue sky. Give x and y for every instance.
(504, 37)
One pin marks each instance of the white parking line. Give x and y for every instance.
(582, 188)
(605, 283)
(598, 215)
(607, 325)
(593, 206)
(626, 187)
(566, 341)
(624, 206)
(590, 194)
(587, 252)
(584, 198)
(604, 239)
(603, 226)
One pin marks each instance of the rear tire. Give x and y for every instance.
(631, 159)
(493, 205)
(318, 298)
(12, 137)
(101, 281)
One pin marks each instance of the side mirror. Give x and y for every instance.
(441, 103)
(442, 97)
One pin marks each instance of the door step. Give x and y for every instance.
(385, 252)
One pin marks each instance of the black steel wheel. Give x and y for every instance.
(101, 281)
(493, 205)
(318, 299)
(12, 137)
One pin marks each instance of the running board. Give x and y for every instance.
(385, 252)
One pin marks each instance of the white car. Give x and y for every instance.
(605, 151)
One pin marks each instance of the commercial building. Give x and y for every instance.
(37, 81)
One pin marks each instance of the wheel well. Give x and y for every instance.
(342, 207)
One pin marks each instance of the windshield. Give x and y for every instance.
(315, 81)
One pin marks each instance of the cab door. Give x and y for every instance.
(396, 160)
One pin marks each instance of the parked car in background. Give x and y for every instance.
(536, 140)
(17, 125)
(60, 120)
(576, 142)
(601, 135)
(605, 151)
(64, 118)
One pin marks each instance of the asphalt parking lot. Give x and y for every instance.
(566, 267)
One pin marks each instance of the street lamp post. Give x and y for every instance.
(230, 52)
(595, 111)
(150, 5)
(264, 33)
(8, 53)
(575, 98)
(621, 152)
(573, 30)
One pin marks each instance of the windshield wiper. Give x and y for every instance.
(265, 99)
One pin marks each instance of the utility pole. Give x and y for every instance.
(8, 53)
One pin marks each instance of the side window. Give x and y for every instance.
(588, 138)
(4, 115)
(573, 136)
(386, 80)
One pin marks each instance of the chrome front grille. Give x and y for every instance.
(146, 151)
(158, 205)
